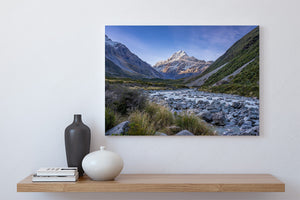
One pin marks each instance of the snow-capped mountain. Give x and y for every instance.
(181, 65)
(121, 62)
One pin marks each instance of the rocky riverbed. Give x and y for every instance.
(228, 114)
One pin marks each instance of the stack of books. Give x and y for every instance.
(53, 174)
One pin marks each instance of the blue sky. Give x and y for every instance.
(156, 43)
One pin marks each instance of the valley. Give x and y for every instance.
(218, 97)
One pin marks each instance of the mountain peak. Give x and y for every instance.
(181, 52)
(177, 55)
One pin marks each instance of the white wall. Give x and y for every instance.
(52, 66)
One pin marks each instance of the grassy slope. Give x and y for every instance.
(146, 84)
(245, 83)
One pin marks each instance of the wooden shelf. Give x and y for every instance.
(162, 183)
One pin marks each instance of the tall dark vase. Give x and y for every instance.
(77, 142)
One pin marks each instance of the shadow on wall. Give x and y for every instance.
(97, 135)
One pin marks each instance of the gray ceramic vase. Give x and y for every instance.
(77, 142)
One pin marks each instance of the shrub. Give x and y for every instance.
(110, 119)
(140, 124)
(123, 100)
(193, 124)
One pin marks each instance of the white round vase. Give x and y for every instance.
(102, 165)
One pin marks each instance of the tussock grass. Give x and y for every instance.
(157, 118)
(140, 124)
(193, 124)
(160, 115)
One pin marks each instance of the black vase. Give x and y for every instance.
(77, 142)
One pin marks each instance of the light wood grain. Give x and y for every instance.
(162, 183)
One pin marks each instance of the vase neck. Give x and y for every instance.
(77, 119)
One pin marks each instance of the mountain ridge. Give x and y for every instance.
(121, 62)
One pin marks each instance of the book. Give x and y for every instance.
(36, 178)
(57, 171)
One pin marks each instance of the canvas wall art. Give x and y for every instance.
(182, 80)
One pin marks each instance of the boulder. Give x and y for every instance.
(256, 122)
(174, 129)
(230, 123)
(248, 123)
(219, 118)
(207, 116)
(184, 133)
(252, 131)
(254, 116)
(211, 107)
(214, 111)
(235, 114)
(177, 106)
(237, 105)
(215, 102)
(120, 129)
(184, 106)
(160, 134)
(200, 102)
(246, 127)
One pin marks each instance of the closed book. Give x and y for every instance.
(36, 178)
(57, 171)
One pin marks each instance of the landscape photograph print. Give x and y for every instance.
(182, 80)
